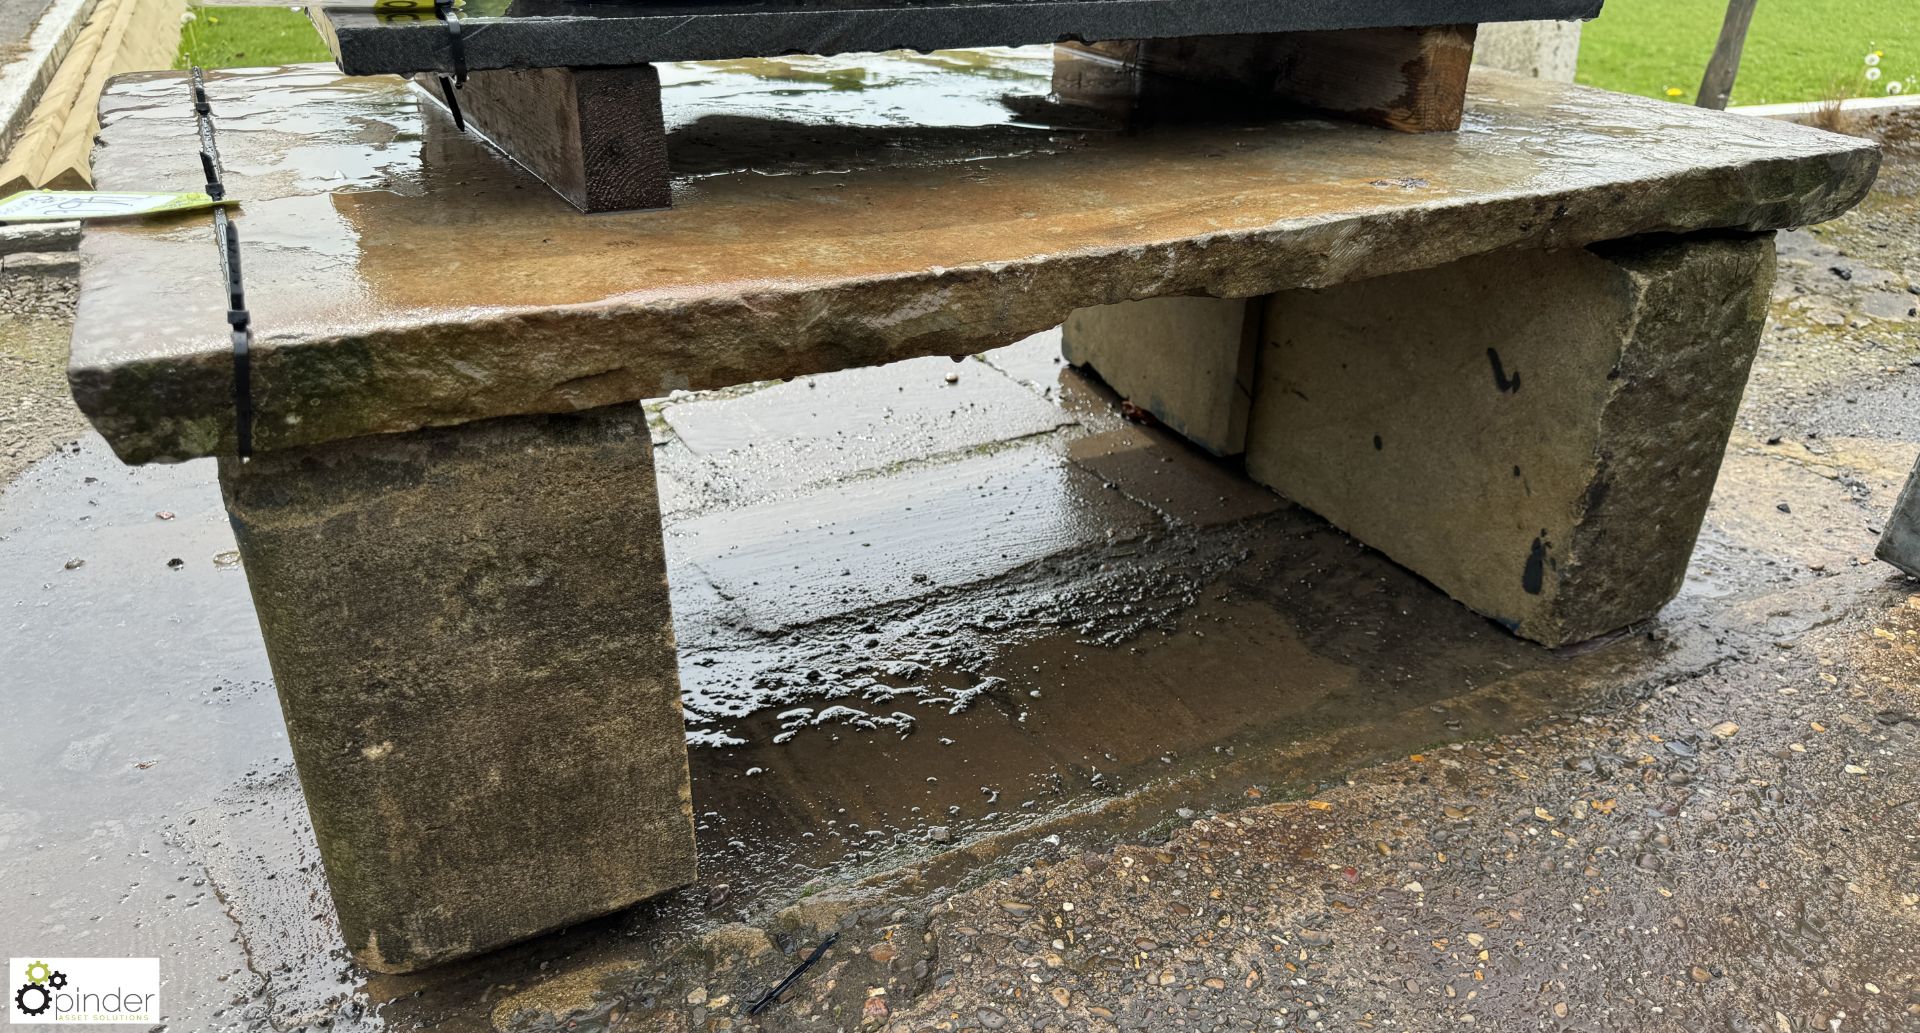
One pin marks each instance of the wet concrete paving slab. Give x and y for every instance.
(1187, 488)
(814, 429)
(860, 544)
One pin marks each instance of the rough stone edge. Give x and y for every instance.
(1652, 391)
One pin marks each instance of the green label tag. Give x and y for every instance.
(64, 205)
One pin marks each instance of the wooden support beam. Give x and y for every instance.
(1410, 79)
(595, 135)
(1716, 85)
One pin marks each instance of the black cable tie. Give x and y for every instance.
(215, 189)
(443, 10)
(243, 393)
(236, 294)
(772, 997)
(241, 321)
(227, 241)
(447, 93)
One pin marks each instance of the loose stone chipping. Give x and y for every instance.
(1537, 434)
(499, 750)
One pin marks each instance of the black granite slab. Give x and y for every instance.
(554, 33)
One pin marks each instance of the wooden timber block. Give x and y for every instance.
(595, 135)
(1410, 79)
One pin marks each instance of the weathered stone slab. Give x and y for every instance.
(1536, 434)
(1188, 361)
(403, 275)
(548, 33)
(470, 637)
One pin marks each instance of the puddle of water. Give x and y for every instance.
(858, 544)
(133, 690)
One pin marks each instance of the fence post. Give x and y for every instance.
(1717, 84)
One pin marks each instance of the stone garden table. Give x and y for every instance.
(1507, 357)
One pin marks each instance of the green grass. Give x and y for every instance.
(241, 37)
(1796, 50)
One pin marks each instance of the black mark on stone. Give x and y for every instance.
(1500, 378)
(1516, 470)
(1534, 577)
(1602, 484)
(1377, 443)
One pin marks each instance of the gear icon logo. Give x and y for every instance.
(36, 995)
(26, 993)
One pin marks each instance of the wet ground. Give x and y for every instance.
(1059, 724)
(36, 412)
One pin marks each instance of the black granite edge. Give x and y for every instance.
(578, 34)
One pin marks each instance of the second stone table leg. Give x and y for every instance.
(470, 636)
(1535, 433)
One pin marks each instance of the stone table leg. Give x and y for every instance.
(1188, 361)
(470, 636)
(1535, 433)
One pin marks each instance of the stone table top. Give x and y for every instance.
(552, 33)
(828, 213)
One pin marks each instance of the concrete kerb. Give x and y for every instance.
(1853, 105)
(23, 77)
(38, 238)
